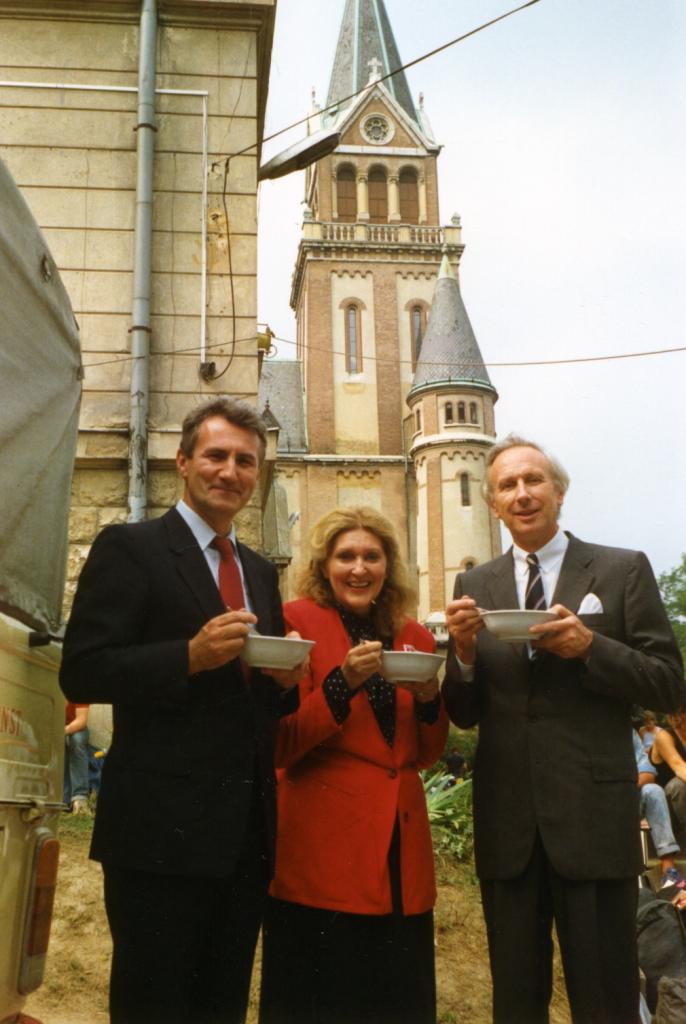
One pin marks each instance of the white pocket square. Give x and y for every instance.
(590, 605)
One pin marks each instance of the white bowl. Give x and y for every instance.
(512, 624)
(274, 651)
(410, 666)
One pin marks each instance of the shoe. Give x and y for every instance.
(79, 805)
(672, 884)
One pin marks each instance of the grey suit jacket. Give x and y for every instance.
(555, 751)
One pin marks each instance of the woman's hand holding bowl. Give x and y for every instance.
(361, 662)
(423, 692)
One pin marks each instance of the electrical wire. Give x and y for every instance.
(273, 135)
(389, 74)
(386, 361)
(495, 365)
(212, 374)
(390, 361)
(216, 376)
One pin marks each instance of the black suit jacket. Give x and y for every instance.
(186, 752)
(555, 749)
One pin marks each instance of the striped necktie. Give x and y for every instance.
(534, 599)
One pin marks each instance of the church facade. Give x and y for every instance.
(388, 403)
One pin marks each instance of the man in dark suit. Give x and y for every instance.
(555, 800)
(186, 813)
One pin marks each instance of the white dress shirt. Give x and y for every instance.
(550, 558)
(204, 535)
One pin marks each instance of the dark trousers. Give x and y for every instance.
(327, 967)
(184, 946)
(596, 929)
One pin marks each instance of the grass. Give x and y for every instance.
(77, 826)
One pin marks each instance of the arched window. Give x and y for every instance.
(469, 565)
(473, 418)
(417, 328)
(346, 195)
(464, 489)
(353, 339)
(418, 420)
(378, 196)
(461, 414)
(409, 197)
(448, 414)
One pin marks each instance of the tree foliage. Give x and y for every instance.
(673, 589)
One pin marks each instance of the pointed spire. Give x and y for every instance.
(449, 350)
(366, 36)
(423, 119)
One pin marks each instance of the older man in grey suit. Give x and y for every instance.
(555, 797)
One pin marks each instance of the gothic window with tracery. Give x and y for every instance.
(376, 129)
(473, 415)
(461, 413)
(448, 414)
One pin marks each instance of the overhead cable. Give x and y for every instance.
(389, 74)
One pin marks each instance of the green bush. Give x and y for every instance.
(450, 813)
(464, 740)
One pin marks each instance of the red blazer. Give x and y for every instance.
(341, 786)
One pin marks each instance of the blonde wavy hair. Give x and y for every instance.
(390, 610)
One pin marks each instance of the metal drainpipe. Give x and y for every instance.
(140, 312)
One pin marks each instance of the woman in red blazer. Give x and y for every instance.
(348, 935)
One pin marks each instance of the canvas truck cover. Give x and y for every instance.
(40, 393)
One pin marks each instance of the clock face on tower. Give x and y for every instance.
(377, 129)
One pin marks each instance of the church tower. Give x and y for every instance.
(452, 426)
(368, 259)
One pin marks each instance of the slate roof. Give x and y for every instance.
(449, 350)
(281, 387)
(366, 34)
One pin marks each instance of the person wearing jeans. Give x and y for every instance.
(655, 809)
(76, 786)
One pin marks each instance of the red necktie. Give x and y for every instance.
(230, 584)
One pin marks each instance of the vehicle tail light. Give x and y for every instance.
(23, 1018)
(39, 912)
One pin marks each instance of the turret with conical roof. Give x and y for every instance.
(452, 426)
(366, 44)
(450, 352)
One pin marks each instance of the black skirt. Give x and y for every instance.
(327, 967)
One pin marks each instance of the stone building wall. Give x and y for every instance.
(73, 155)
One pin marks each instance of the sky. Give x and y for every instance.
(564, 154)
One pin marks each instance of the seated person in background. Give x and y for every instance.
(456, 765)
(654, 807)
(649, 729)
(76, 784)
(668, 754)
